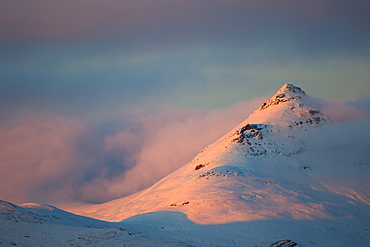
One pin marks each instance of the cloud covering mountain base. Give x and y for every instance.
(54, 158)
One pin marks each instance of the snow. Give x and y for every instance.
(342, 232)
(43, 225)
(264, 153)
(286, 172)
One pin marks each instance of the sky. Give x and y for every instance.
(91, 89)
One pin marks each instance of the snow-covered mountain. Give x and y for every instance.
(286, 172)
(263, 169)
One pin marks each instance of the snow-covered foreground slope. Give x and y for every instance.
(41, 225)
(44, 225)
(286, 172)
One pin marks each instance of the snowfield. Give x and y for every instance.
(286, 176)
(43, 225)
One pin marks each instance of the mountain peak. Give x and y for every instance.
(233, 179)
(289, 111)
(286, 93)
(288, 87)
(289, 106)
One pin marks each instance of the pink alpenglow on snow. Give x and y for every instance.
(292, 170)
(267, 167)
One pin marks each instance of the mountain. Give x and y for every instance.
(265, 168)
(287, 172)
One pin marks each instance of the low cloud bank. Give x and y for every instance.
(342, 112)
(54, 159)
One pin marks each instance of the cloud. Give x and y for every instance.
(37, 152)
(80, 67)
(166, 141)
(53, 159)
(71, 55)
(361, 103)
(138, 21)
(342, 112)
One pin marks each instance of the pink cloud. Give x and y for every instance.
(34, 152)
(339, 112)
(49, 158)
(168, 140)
(54, 159)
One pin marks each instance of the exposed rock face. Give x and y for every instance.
(283, 243)
(249, 131)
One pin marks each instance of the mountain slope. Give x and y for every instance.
(265, 168)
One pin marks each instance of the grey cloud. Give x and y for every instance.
(361, 103)
(311, 23)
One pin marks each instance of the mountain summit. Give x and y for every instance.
(260, 170)
(288, 111)
(290, 106)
